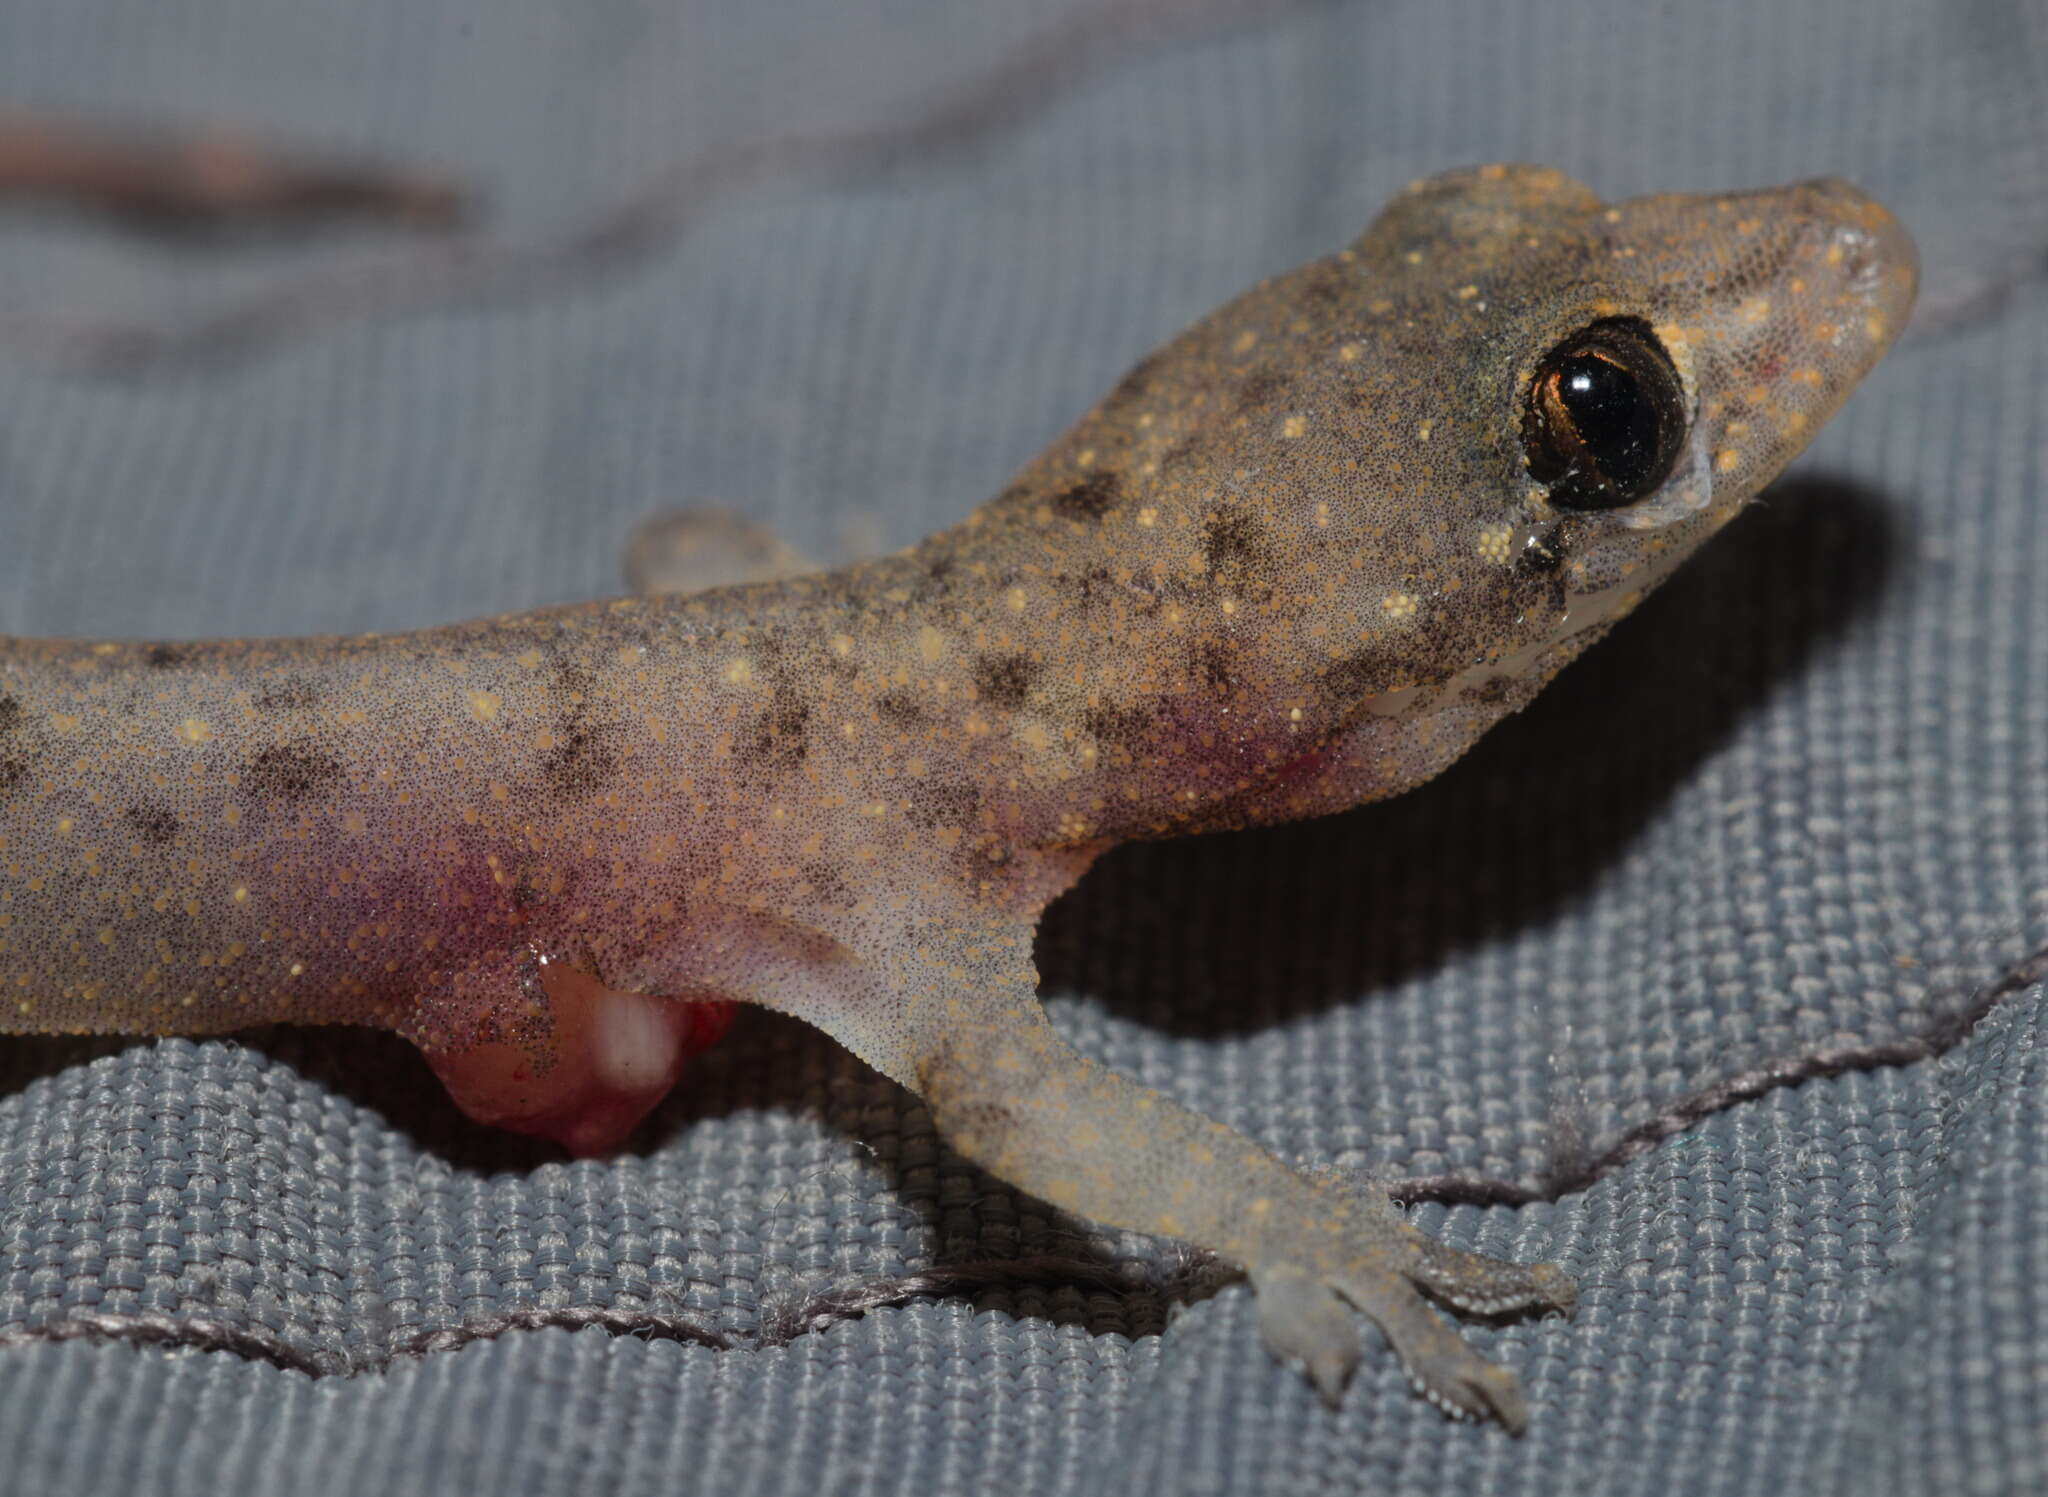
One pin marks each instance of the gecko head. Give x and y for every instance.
(1551, 402)
(1371, 506)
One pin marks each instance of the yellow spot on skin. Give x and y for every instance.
(193, 731)
(65, 825)
(1085, 458)
(842, 645)
(1755, 310)
(483, 705)
(1727, 460)
(1244, 342)
(1148, 517)
(1874, 326)
(1350, 353)
(1466, 293)
(1294, 714)
(65, 722)
(931, 644)
(1230, 605)
(1422, 432)
(1034, 736)
(1399, 605)
(352, 822)
(528, 658)
(740, 672)
(1293, 426)
(1322, 515)
(1018, 599)
(241, 894)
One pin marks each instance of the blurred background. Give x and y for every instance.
(844, 265)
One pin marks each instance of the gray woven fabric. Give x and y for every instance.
(1800, 800)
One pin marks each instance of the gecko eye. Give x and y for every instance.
(1606, 416)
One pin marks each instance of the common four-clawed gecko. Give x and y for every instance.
(1299, 559)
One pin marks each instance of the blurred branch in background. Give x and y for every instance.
(210, 181)
(1020, 82)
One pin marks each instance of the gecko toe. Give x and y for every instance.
(1479, 1285)
(1305, 1324)
(1438, 1362)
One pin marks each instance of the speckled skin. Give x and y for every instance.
(1294, 562)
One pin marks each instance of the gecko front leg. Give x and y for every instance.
(964, 1031)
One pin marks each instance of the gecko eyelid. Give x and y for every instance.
(1605, 416)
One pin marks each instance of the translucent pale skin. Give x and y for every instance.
(1294, 562)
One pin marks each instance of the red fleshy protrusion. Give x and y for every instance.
(605, 1060)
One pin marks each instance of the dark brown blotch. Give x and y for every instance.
(581, 758)
(165, 657)
(153, 825)
(1215, 666)
(1181, 456)
(286, 694)
(1004, 680)
(1235, 544)
(1359, 675)
(1091, 498)
(1116, 724)
(777, 737)
(1259, 390)
(289, 772)
(900, 707)
(1327, 282)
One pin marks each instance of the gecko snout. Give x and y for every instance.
(1868, 252)
(1804, 288)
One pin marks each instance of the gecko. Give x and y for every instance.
(1299, 559)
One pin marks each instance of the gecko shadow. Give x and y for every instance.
(1231, 933)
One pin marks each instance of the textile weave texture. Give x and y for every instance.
(1799, 802)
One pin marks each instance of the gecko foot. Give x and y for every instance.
(1382, 1267)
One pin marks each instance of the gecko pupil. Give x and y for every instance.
(1605, 417)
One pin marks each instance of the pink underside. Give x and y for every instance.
(614, 1055)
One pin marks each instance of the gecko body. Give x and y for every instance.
(1297, 560)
